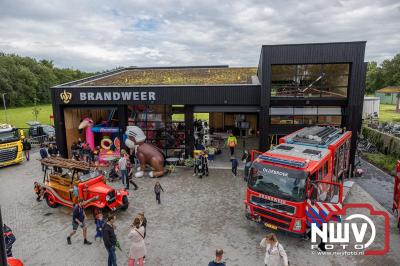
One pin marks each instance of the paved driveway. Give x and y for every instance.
(196, 217)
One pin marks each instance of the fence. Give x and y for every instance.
(385, 143)
(37, 141)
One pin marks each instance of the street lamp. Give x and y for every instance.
(5, 108)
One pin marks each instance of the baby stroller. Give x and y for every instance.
(200, 164)
(113, 174)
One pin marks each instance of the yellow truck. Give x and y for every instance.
(10, 145)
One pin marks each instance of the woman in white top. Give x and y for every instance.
(275, 255)
(138, 248)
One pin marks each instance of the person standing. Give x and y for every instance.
(157, 189)
(43, 154)
(110, 240)
(26, 146)
(218, 259)
(78, 219)
(123, 168)
(99, 222)
(138, 247)
(231, 142)
(143, 221)
(275, 255)
(235, 163)
(129, 169)
(9, 239)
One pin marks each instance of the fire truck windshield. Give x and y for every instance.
(278, 182)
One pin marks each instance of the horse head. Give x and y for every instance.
(135, 136)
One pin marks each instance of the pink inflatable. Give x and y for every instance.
(87, 123)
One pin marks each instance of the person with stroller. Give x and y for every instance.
(200, 164)
(113, 175)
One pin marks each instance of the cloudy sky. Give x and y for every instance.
(97, 35)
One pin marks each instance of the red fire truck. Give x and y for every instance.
(299, 181)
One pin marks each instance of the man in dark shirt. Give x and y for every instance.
(26, 146)
(78, 219)
(218, 259)
(110, 240)
(43, 154)
(52, 151)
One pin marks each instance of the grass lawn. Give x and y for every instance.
(19, 116)
(387, 113)
(385, 162)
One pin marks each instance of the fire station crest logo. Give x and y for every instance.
(66, 96)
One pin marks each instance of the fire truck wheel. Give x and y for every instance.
(125, 203)
(51, 201)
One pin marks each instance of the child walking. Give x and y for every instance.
(157, 189)
(235, 163)
(38, 190)
(99, 226)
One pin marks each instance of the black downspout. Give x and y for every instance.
(189, 138)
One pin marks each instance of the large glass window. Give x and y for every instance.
(310, 115)
(311, 80)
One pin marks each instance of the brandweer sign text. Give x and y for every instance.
(118, 96)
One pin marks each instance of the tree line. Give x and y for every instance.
(26, 80)
(383, 75)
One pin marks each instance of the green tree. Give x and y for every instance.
(25, 78)
(374, 79)
(391, 71)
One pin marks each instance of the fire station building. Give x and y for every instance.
(294, 86)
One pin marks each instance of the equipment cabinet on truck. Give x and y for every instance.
(299, 181)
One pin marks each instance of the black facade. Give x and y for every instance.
(351, 53)
(256, 95)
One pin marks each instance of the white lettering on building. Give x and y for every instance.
(90, 96)
(107, 96)
(152, 96)
(117, 96)
(82, 96)
(126, 95)
(99, 97)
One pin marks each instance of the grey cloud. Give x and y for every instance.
(98, 35)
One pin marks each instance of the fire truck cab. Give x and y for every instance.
(299, 181)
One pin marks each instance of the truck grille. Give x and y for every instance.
(284, 223)
(8, 154)
(272, 205)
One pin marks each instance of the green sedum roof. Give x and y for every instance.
(178, 76)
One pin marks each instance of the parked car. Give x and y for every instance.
(38, 130)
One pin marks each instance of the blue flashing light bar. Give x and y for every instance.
(282, 161)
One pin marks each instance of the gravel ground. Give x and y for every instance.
(196, 217)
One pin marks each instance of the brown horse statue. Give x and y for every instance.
(146, 153)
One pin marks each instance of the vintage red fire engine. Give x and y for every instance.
(299, 181)
(65, 181)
